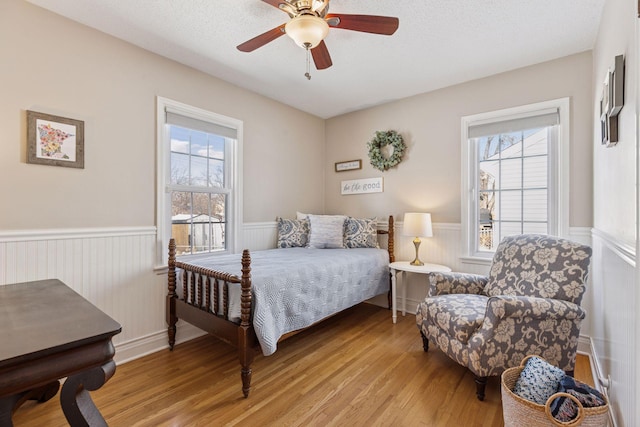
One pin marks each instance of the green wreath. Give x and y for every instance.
(390, 137)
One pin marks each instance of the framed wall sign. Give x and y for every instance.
(54, 140)
(348, 165)
(362, 186)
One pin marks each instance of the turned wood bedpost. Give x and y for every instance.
(390, 245)
(171, 296)
(392, 256)
(245, 350)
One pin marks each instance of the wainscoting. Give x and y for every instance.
(114, 269)
(613, 333)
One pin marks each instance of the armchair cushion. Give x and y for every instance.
(458, 315)
(539, 265)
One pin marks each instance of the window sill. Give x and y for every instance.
(476, 260)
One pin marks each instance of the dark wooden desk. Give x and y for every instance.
(48, 332)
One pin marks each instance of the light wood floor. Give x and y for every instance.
(355, 369)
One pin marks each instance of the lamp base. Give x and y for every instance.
(416, 261)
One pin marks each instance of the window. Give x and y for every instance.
(515, 173)
(199, 188)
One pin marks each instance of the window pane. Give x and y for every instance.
(487, 202)
(201, 205)
(535, 205)
(179, 169)
(198, 171)
(485, 239)
(495, 235)
(179, 139)
(216, 147)
(489, 175)
(488, 147)
(535, 142)
(216, 173)
(510, 206)
(181, 221)
(198, 221)
(510, 145)
(535, 227)
(510, 228)
(535, 172)
(198, 143)
(511, 174)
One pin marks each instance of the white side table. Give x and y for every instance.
(404, 267)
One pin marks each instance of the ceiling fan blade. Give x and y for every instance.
(321, 56)
(262, 39)
(385, 25)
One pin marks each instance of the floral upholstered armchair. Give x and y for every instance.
(529, 304)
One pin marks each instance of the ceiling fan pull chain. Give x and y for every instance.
(308, 74)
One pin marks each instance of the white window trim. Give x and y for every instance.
(559, 169)
(163, 207)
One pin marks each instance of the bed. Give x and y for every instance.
(255, 300)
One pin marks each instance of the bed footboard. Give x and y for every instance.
(204, 303)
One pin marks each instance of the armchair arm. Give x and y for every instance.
(502, 307)
(456, 283)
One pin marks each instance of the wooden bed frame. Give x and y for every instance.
(191, 309)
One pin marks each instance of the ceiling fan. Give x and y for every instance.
(309, 25)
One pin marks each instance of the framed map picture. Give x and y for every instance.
(55, 141)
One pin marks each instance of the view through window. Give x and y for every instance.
(198, 190)
(512, 195)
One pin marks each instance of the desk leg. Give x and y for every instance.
(393, 296)
(9, 404)
(76, 401)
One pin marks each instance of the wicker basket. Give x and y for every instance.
(519, 412)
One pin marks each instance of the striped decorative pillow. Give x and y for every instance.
(326, 231)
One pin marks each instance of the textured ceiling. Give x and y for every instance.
(438, 43)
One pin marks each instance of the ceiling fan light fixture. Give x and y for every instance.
(307, 30)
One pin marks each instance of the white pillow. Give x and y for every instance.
(300, 216)
(326, 231)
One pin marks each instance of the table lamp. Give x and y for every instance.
(417, 225)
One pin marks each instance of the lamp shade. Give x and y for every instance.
(417, 225)
(307, 30)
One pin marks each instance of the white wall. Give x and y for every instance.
(616, 295)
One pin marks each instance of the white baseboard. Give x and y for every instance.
(139, 347)
(587, 348)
